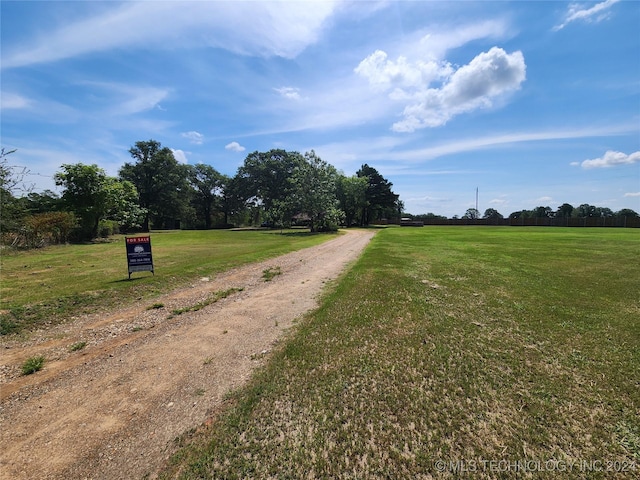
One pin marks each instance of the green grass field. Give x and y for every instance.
(47, 286)
(452, 352)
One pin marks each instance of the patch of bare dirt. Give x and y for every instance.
(113, 409)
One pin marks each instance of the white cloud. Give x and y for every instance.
(612, 159)
(475, 85)
(291, 93)
(384, 74)
(234, 147)
(597, 13)
(180, 156)
(488, 76)
(632, 194)
(249, 28)
(194, 137)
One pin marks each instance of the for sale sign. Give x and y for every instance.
(139, 254)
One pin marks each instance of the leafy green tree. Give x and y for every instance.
(603, 212)
(86, 194)
(313, 192)
(123, 205)
(380, 199)
(492, 214)
(264, 179)
(160, 180)
(627, 212)
(206, 182)
(543, 212)
(43, 202)
(231, 201)
(352, 196)
(585, 210)
(471, 214)
(565, 210)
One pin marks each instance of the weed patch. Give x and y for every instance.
(270, 273)
(77, 346)
(215, 297)
(33, 365)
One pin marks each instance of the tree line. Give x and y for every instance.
(277, 188)
(565, 210)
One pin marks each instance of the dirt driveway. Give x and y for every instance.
(112, 409)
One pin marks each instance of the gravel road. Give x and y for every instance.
(112, 409)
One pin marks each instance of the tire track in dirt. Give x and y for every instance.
(113, 411)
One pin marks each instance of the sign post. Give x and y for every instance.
(139, 254)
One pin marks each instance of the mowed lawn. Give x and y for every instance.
(46, 286)
(450, 352)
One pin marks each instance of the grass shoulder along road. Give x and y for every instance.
(449, 352)
(43, 287)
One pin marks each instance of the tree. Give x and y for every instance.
(231, 201)
(471, 214)
(44, 202)
(585, 210)
(626, 212)
(160, 181)
(314, 192)
(492, 214)
(11, 210)
(603, 212)
(352, 196)
(543, 212)
(206, 182)
(265, 180)
(123, 205)
(380, 199)
(565, 210)
(86, 194)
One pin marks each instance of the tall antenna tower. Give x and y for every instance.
(477, 200)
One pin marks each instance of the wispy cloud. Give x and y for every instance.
(612, 159)
(194, 137)
(10, 101)
(121, 99)
(596, 13)
(291, 93)
(234, 147)
(632, 194)
(249, 28)
(471, 144)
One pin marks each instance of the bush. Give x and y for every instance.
(331, 220)
(106, 228)
(42, 229)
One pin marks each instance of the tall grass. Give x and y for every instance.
(454, 353)
(45, 286)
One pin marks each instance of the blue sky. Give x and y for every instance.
(532, 103)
